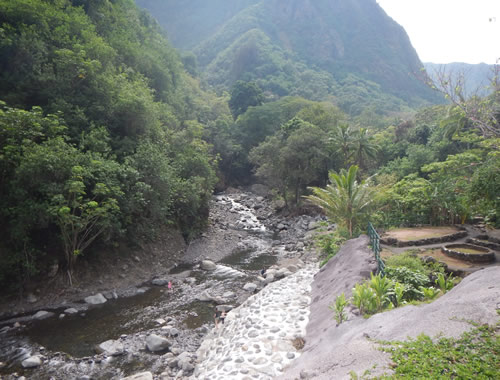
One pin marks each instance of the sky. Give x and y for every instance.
(445, 31)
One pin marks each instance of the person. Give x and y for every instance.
(263, 272)
(169, 286)
(222, 316)
(217, 316)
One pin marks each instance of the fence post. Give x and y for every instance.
(375, 244)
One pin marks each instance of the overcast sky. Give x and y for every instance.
(444, 31)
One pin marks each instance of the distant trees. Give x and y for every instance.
(244, 95)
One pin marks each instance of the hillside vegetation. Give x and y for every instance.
(108, 135)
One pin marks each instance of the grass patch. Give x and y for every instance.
(472, 356)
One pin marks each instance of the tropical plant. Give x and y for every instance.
(344, 199)
(363, 297)
(429, 293)
(444, 282)
(412, 280)
(339, 309)
(382, 286)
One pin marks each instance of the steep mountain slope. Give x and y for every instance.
(477, 77)
(349, 51)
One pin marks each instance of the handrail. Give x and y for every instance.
(375, 244)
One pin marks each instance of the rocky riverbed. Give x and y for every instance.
(147, 327)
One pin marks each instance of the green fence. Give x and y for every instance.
(375, 244)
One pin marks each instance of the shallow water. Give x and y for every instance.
(78, 335)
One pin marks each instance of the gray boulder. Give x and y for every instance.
(160, 281)
(156, 343)
(95, 299)
(42, 314)
(71, 311)
(208, 265)
(32, 362)
(111, 348)
(250, 287)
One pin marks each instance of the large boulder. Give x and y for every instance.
(155, 343)
(95, 299)
(42, 314)
(32, 362)
(250, 287)
(208, 265)
(111, 348)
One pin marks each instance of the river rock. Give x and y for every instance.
(42, 314)
(71, 311)
(95, 299)
(184, 362)
(250, 287)
(160, 281)
(31, 298)
(208, 265)
(111, 347)
(156, 343)
(139, 376)
(32, 362)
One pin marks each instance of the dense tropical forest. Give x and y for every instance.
(109, 134)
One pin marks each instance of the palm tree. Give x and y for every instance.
(365, 147)
(344, 199)
(343, 142)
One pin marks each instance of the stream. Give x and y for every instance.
(67, 343)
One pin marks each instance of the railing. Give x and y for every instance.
(375, 244)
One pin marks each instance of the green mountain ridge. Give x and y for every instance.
(277, 43)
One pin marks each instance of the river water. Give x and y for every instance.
(67, 343)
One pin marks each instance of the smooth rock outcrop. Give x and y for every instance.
(208, 265)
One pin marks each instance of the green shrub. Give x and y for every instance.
(411, 279)
(406, 259)
(472, 356)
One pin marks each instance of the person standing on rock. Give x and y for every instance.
(169, 286)
(223, 316)
(217, 316)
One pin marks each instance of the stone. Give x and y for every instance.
(290, 355)
(160, 321)
(160, 281)
(31, 298)
(95, 299)
(155, 343)
(269, 278)
(71, 311)
(139, 376)
(208, 265)
(32, 362)
(42, 314)
(250, 287)
(111, 347)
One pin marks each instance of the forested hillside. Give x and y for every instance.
(99, 132)
(349, 52)
(108, 134)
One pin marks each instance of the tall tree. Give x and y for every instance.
(244, 95)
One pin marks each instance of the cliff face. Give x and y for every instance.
(337, 38)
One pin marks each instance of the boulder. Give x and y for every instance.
(208, 265)
(184, 362)
(139, 376)
(42, 314)
(250, 287)
(31, 298)
(160, 281)
(111, 348)
(71, 311)
(32, 362)
(155, 343)
(95, 299)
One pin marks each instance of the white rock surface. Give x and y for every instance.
(256, 339)
(208, 265)
(42, 314)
